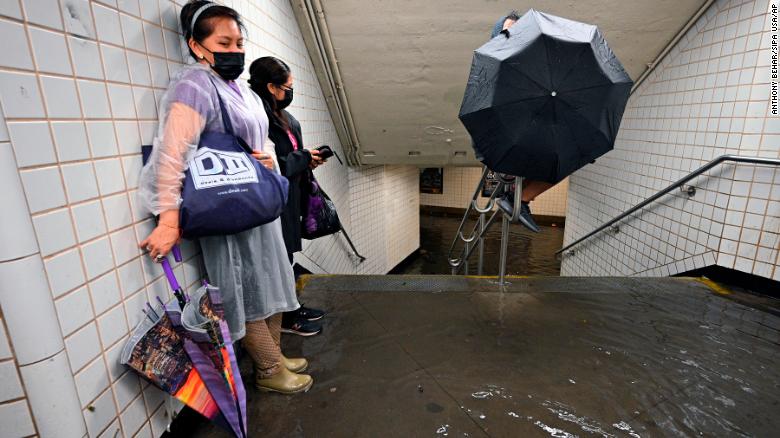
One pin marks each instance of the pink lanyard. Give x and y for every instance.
(293, 140)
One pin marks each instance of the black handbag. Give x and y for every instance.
(320, 218)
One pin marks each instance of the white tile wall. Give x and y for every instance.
(19, 54)
(11, 9)
(127, 389)
(103, 413)
(76, 15)
(16, 419)
(134, 416)
(105, 292)
(51, 53)
(60, 95)
(32, 143)
(80, 182)
(10, 385)
(378, 205)
(94, 99)
(459, 184)
(707, 98)
(5, 347)
(79, 91)
(54, 231)
(102, 139)
(83, 346)
(43, 12)
(74, 310)
(89, 220)
(71, 142)
(402, 221)
(64, 271)
(91, 381)
(98, 258)
(20, 95)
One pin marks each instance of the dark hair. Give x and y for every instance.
(269, 70)
(204, 27)
(513, 15)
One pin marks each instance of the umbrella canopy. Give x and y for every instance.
(544, 98)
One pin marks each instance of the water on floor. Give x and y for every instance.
(528, 253)
(547, 357)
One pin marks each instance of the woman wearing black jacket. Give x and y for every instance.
(272, 80)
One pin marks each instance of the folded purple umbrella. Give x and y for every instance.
(187, 351)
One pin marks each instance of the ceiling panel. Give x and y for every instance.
(405, 63)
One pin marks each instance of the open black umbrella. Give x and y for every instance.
(544, 98)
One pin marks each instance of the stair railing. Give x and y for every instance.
(476, 238)
(679, 184)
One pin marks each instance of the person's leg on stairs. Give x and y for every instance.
(532, 189)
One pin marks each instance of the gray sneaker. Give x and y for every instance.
(526, 218)
(506, 203)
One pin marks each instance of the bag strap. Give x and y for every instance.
(228, 125)
(225, 118)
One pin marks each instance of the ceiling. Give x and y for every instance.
(404, 63)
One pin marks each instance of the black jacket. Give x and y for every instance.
(294, 165)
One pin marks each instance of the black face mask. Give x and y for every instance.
(284, 103)
(228, 65)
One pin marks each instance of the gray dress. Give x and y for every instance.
(250, 268)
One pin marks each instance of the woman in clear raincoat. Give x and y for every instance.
(250, 267)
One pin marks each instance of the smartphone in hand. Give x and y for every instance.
(325, 151)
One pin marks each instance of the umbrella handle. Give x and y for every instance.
(170, 275)
(176, 250)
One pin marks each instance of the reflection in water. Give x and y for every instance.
(528, 253)
(652, 359)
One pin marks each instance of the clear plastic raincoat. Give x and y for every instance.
(250, 268)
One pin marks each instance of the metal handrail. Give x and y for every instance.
(456, 263)
(673, 186)
(481, 227)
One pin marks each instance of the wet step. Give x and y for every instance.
(459, 356)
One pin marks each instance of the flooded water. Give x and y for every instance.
(528, 253)
(544, 357)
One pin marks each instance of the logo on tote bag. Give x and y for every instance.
(212, 168)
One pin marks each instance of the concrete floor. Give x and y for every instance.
(562, 357)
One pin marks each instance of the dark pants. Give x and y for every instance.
(285, 321)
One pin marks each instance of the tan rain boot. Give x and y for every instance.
(297, 365)
(285, 382)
